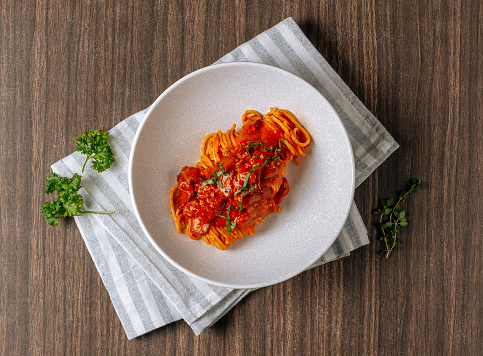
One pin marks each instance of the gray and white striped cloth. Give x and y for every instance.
(146, 290)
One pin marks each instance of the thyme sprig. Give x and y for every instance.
(396, 219)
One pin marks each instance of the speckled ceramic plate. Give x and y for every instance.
(321, 189)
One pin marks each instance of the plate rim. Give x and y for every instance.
(130, 175)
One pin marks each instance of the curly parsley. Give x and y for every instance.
(68, 202)
(94, 144)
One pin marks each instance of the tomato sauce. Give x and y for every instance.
(245, 187)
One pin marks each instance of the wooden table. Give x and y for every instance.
(71, 66)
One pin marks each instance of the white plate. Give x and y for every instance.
(321, 189)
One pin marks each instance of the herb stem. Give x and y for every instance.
(395, 208)
(384, 236)
(96, 212)
(87, 159)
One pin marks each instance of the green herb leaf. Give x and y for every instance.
(247, 177)
(255, 144)
(68, 202)
(206, 182)
(232, 225)
(222, 169)
(252, 144)
(396, 220)
(59, 183)
(94, 144)
(214, 179)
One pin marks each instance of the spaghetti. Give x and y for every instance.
(240, 178)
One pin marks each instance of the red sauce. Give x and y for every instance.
(245, 187)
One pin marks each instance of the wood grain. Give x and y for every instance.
(71, 66)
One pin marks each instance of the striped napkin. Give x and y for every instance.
(146, 290)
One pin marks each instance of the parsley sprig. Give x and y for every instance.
(94, 144)
(396, 220)
(68, 202)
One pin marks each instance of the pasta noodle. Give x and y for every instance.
(240, 178)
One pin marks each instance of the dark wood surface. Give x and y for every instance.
(71, 66)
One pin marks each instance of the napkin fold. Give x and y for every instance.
(146, 290)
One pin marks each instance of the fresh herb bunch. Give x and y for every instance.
(396, 220)
(94, 144)
(68, 202)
